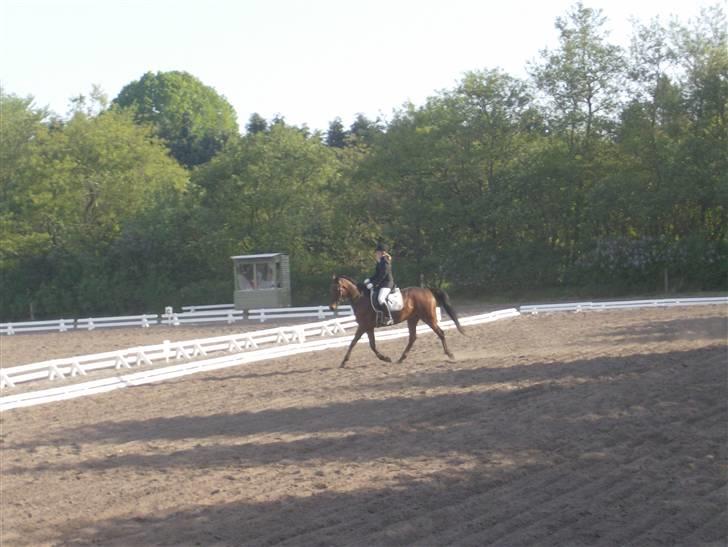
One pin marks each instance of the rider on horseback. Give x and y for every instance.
(382, 279)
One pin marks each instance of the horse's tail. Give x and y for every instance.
(444, 300)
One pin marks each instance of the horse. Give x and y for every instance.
(419, 304)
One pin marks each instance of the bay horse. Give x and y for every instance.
(419, 304)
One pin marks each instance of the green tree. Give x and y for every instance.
(256, 124)
(191, 117)
(365, 131)
(336, 134)
(581, 78)
(75, 185)
(21, 123)
(266, 192)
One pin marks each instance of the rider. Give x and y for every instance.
(382, 278)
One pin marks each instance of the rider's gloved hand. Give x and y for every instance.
(369, 286)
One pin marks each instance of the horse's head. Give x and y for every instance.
(341, 288)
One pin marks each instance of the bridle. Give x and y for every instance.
(343, 293)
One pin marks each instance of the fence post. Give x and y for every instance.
(54, 371)
(166, 351)
(321, 313)
(77, 369)
(121, 361)
(5, 380)
(141, 356)
(262, 316)
(282, 337)
(250, 342)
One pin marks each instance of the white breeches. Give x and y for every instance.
(383, 294)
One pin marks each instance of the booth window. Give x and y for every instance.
(246, 277)
(265, 276)
(257, 276)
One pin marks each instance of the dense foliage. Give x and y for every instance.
(606, 172)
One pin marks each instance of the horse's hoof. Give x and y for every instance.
(342, 365)
(386, 359)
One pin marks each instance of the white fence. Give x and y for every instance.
(144, 321)
(59, 325)
(290, 341)
(151, 354)
(321, 312)
(622, 304)
(218, 313)
(247, 348)
(208, 307)
(228, 316)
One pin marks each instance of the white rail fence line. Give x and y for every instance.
(60, 325)
(218, 313)
(287, 335)
(322, 312)
(155, 375)
(91, 323)
(622, 304)
(189, 349)
(209, 307)
(228, 316)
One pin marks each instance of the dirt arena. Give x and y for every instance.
(600, 428)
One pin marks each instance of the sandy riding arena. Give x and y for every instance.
(599, 428)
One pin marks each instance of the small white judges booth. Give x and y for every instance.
(262, 281)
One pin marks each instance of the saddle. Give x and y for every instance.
(394, 301)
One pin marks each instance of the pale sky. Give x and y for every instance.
(309, 61)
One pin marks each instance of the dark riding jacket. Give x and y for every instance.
(383, 275)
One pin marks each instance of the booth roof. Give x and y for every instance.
(267, 255)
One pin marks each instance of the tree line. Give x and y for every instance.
(603, 172)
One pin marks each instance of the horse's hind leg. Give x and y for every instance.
(373, 345)
(412, 324)
(432, 322)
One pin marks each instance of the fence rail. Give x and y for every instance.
(59, 325)
(322, 312)
(622, 304)
(228, 316)
(217, 313)
(209, 307)
(91, 323)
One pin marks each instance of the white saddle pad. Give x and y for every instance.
(395, 300)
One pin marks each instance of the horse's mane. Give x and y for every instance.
(358, 285)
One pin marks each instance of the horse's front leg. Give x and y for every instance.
(412, 324)
(357, 335)
(373, 345)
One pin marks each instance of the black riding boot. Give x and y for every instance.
(389, 320)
